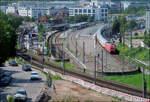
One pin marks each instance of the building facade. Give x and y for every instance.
(100, 13)
(38, 12)
(11, 9)
(3, 8)
(33, 12)
(23, 11)
(148, 19)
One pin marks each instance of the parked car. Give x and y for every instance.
(26, 67)
(34, 76)
(13, 63)
(2, 65)
(7, 74)
(20, 96)
(4, 81)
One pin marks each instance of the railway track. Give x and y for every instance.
(115, 56)
(105, 82)
(37, 61)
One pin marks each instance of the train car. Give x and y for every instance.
(110, 47)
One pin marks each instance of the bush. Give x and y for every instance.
(10, 98)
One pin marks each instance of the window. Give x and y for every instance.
(102, 14)
(84, 11)
(105, 10)
(93, 11)
(102, 10)
(80, 10)
(76, 10)
(106, 14)
(89, 11)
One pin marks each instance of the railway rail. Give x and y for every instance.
(37, 61)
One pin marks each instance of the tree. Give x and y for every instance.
(27, 19)
(116, 26)
(8, 36)
(147, 38)
(40, 28)
(132, 24)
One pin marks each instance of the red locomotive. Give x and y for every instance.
(110, 47)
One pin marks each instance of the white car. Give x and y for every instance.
(34, 76)
(20, 95)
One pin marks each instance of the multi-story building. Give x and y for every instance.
(33, 12)
(3, 8)
(39, 11)
(60, 4)
(100, 13)
(81, 11)
(23, 11)
(148, 19)
(11, 9)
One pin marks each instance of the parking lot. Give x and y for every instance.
(21, 80)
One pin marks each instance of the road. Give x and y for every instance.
(21, 80)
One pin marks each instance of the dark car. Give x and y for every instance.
(7, 74)
(26, 67)
(20, 96)
(13, 63)
(2, 65)
(5, 81)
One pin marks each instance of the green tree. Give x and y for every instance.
(40, 28)
(132, 24)
(116, 26)
(147, 38)
(8, 36)
(27, 19)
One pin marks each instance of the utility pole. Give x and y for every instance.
(102, 63)
(83, 52)
(31, 48)
(144, 84)
(95, 69)
(76, 49)
(131, 39)
(106, 58)
(43, 53)
(63, 62)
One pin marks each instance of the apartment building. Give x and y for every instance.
(100, 13)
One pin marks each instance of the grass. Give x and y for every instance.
(56, 77)
(68, 65)
(135, 53)
(133, 80)
(17, 59)
(138, 53)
